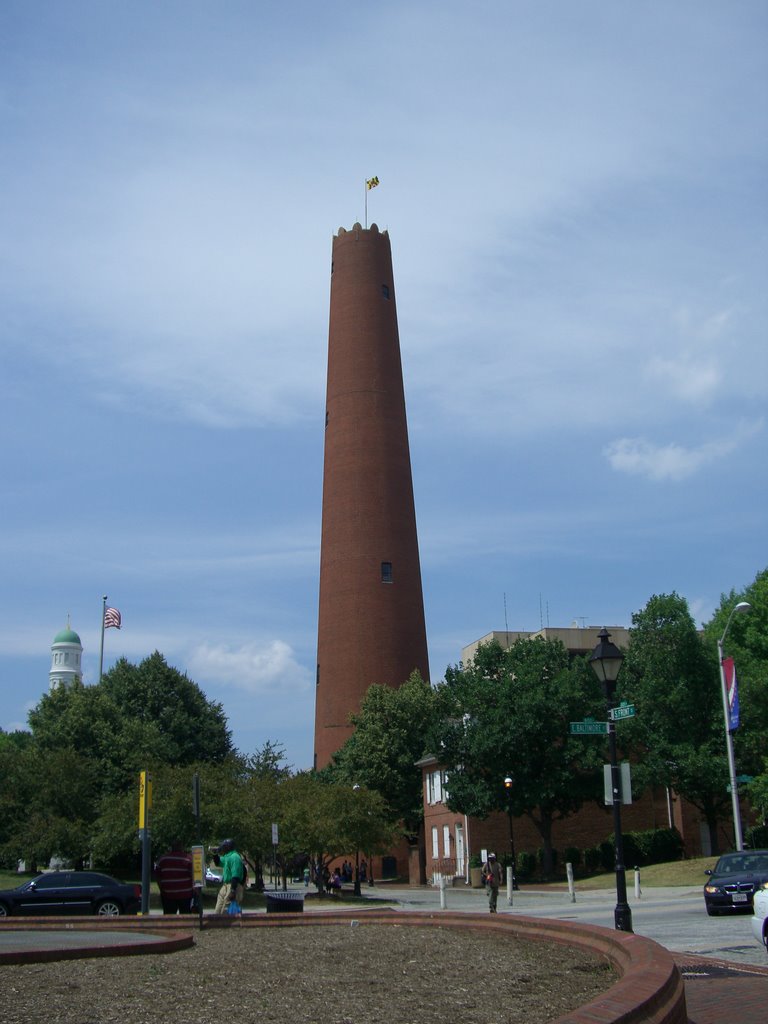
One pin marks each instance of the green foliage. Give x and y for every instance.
(47, 802)
(508, 713)
(677, 733)
(747, 643)
(390, 735)
(326, 820)
(14, 741)
(756, 837)
(572, 855)
(526, 864)
(607, 855)
(69, 787)
(651, 846)
(137, 716)
(593, 858)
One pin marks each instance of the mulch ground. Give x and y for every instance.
(371, 974)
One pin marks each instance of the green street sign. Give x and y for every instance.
(624, 710)
(589, 727)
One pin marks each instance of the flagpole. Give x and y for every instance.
(366, 204)
(101, 651)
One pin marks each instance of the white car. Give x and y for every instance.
(212, 877)
(759, 920)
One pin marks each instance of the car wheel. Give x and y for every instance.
(3, 910)
(108, 908)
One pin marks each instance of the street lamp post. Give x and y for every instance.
(508, 787)
(742, 606)
(606, 661)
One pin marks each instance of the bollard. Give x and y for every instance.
(637, 883)
(569, 873)
(510, 884)
(442, 892)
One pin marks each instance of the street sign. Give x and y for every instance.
(588, 727)
(625, 783)
(624, 710)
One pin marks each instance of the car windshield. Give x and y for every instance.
(741, 864)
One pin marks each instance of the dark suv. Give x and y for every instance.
(71, 892)
(734, 880)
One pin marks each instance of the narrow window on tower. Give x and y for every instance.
(386, 572)
(326, 417)
(317, 676)
(385, 290)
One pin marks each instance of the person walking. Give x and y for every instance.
(232, 876)
(492, 873)
(173, 873)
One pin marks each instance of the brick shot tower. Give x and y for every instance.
(371, 616)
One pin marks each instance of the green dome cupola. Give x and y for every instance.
(66, 658)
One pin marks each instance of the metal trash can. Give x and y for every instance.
(285, 902)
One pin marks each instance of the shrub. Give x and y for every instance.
(572, 855)
(592, 858)
(607, 855)
(526, 864)
(540, 859)
(756, 837)
(662, 845)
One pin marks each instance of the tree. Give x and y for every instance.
(508, 713)
(325, 820)
(47, 804)
(138, 715)
(390, 735)
(153, 693)
(747, 644)
(146, 716)
(678, 729)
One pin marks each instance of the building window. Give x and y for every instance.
(385, 290)
(386, 572)
(446, 840)
(317, 675)
(435, 843)
(434, 787)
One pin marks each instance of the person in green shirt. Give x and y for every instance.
(232, 876)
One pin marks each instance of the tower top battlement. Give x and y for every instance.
(357, 227)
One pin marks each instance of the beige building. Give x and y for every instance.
(577, 640)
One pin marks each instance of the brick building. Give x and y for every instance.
(453, 839)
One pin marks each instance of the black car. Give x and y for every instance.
(71, 892)
(734, 881)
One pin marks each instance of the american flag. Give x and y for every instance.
(112, 617)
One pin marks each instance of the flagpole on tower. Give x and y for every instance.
(369, 184)
(101, 650)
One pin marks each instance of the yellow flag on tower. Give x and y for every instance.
(371, 182)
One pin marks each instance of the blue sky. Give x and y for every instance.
(575, 195)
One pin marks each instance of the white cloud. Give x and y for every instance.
(258, 668)
(640, 457)
(686, 376)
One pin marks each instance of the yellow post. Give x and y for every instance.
(145, 807)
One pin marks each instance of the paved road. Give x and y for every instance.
(673, 917)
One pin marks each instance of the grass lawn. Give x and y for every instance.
(676, 872)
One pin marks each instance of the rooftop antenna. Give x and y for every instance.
(506, 624)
